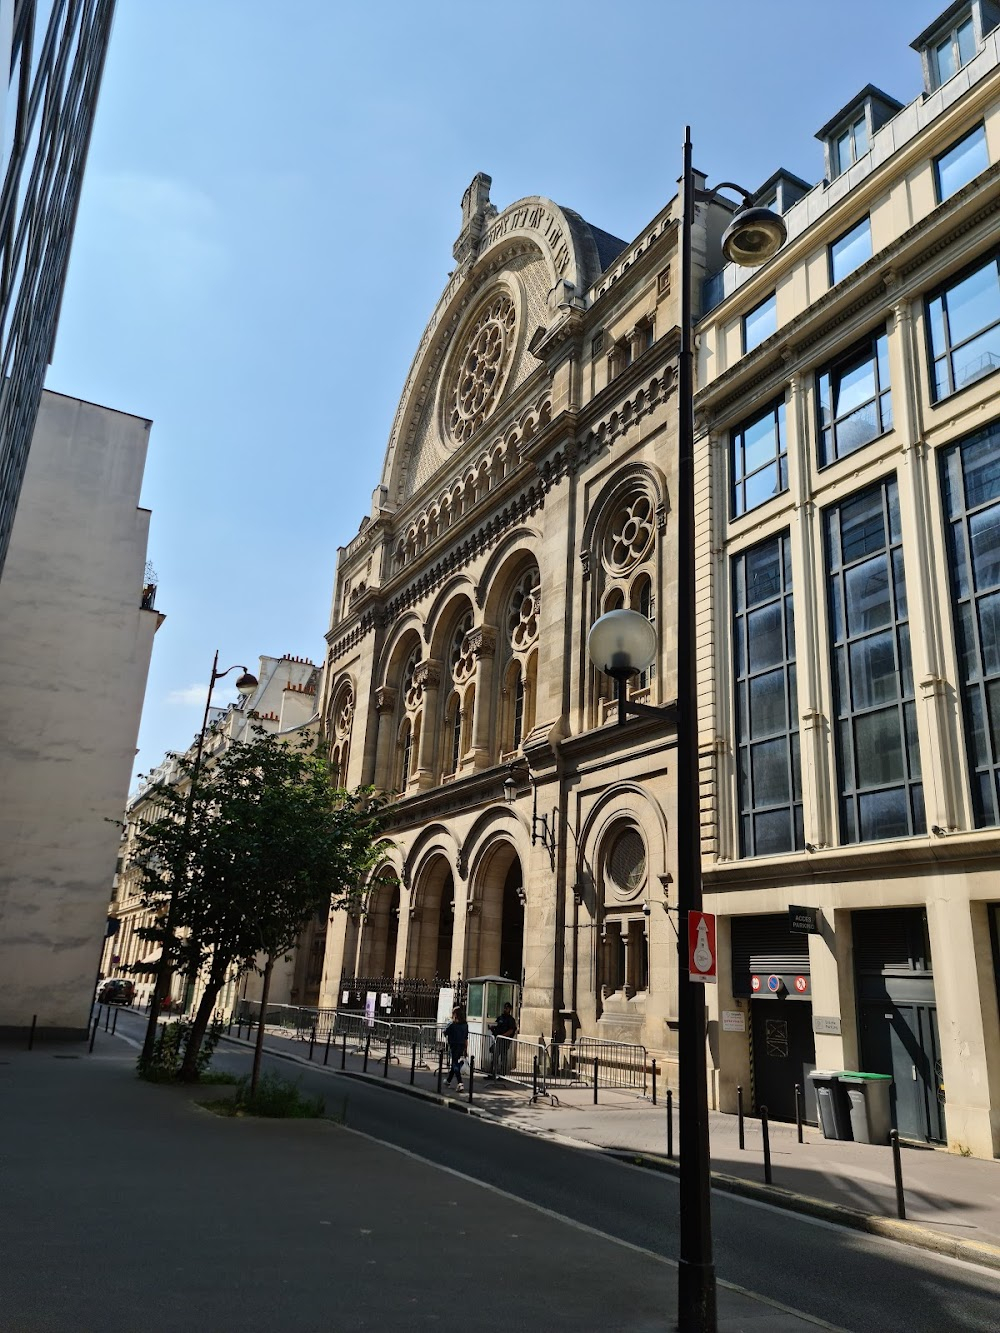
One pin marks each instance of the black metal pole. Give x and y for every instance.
(595, 1082)
(388, 1044)
(31, 1034)
(739, 1114)
(767, 1145)
(343, 1052)
(897, 1170)
(670, 1123)
(107, 1017)
(326, 1050)
(413, 1064)
(696, 1295)
(654, 1082)
(440, 1068)
(534, 1080)
(472, 1075)
(798, 1109)
(312, 1041)
(114, 1023)
(368, 1042)
(93, 1033)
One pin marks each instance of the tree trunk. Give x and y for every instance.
(199, 1026)
(259, 1048)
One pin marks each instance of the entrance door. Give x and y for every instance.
(897, 1015)
(783, 1055)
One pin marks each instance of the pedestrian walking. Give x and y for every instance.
(456, 1034)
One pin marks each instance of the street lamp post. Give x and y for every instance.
(620, 646)
(246, 684)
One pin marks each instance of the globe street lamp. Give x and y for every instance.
(245, 684)
(620, 648)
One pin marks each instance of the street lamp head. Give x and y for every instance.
(753, 236)
(509, 789)
(246, 684)
(621, 643)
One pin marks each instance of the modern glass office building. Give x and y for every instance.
(55, 52)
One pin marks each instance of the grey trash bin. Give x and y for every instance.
(832, 1105)
(871, 1114)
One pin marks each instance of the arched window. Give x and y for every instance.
(517, 680)
(624, 970)
(462, 668)
(456, 733)
(406, 754)
(518, 709)
(644, 602)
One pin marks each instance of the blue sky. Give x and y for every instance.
(267, 220)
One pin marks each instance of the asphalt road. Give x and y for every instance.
(855, 1282)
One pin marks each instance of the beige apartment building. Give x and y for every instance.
(848, 422)
(283, 703)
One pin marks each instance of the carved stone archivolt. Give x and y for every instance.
(482, 367)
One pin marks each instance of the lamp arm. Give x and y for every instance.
(703, 195)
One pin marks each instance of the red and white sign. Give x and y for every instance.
(702, 958)
(802, 984)
(755, 983)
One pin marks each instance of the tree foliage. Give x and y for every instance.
(265, 843)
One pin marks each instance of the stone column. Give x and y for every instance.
(483, 644)
(428, 677)
(385, 707)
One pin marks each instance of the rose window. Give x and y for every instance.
(483, 368)
(627, 864)
(463, 663)
(522, 618)
(413, 691)
(631, 535)
(344, 713)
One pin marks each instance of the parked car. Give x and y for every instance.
(116, 991)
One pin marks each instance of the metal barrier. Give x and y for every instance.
(619, 1064)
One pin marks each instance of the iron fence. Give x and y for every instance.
(619, 1064)
(400, 997)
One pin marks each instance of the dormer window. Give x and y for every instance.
(851, 143)
(848, 136)
(954, 38)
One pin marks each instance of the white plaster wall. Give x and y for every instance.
(74, 654)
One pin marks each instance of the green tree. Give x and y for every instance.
(265, 842)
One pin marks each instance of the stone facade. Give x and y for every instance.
(850, 445)
(526, 489)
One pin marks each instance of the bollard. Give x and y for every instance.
(31, 1034)
(93, 1032)
(595, 1082)
(670, 1123)
(343, 1052)
(107, 1017)
(767, 1145)
(368, 1042)
(114, 1023)
(472, 1075)
(798, 1109)
(739, 1114)
(534, 1080)
(654, 1082)
(312, 1041)
(413, 1064)
(326, 1052)
(440, 1068)
(229, 1027)
(388, 1043)
(897, 1170)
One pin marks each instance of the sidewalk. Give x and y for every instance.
(125, 1205)
(956, 1199)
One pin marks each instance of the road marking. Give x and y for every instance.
(591, 1231)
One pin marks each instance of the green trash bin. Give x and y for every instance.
(871, 1113)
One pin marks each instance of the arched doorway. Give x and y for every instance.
(381, 929)
(496, 940)
(432, 934)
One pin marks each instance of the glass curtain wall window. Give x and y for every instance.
(961, 163)
(759, 323)
(851, 143)
(963, 327)
(767, 730)
(970, 480)
(853, 399)
(850, 251)
(878, 758)
(759, 459)
(954, 50)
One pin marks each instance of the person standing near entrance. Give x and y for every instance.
(504, 1030)
(456, 1034)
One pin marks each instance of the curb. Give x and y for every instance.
(888, 1228)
